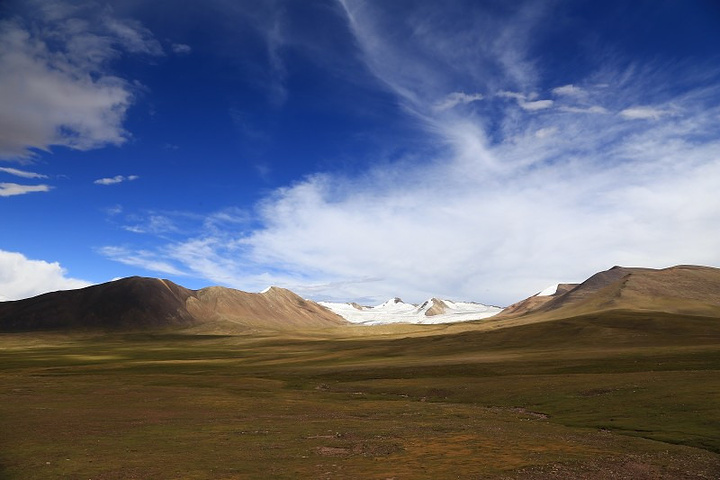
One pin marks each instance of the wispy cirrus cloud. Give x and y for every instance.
(115, 180)
(139, 258)
(524, 189)
(193, 244)
(56, 87)
(155, 224)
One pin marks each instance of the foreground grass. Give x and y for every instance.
(619, 400)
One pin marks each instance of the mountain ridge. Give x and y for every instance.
(151, 303)
(681, 289)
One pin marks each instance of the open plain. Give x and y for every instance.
(623, 394)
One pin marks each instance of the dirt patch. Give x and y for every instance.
(333, 451)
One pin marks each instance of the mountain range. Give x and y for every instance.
(138, 303)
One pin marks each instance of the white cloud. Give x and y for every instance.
(21, 173)
(526, 102)
(569, 90)
(12, 189)
(116, 179)
(536, 105)
(55, 84)
(496, 239)
(458, 98)
(21, 277)
(644, 113)
(596, 109)
(514, 95)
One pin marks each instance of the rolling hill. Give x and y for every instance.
(679, 290)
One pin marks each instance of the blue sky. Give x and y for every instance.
(356, 150)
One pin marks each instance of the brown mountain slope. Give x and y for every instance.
(275, 308)
(684, 289)
(138, 303)
(134, 302)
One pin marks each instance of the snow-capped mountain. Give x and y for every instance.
(397, 311)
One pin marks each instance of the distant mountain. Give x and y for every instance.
(275, 308)
(684, 289)
(139, 303)
(395, 310)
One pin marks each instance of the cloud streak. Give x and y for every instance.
(644, 113)
(458, 98)
(13, 189)
(115, 180)
(21, 173)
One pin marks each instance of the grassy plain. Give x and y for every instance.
(624, 395)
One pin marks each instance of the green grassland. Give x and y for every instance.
(620, 395)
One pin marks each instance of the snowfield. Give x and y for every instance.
(549, 291)
(396, 311)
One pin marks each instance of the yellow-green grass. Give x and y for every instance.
(625, 394)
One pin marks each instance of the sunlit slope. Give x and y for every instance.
(275, 308)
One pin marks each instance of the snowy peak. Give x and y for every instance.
(395, 310)
(273, 289)
(394, 304)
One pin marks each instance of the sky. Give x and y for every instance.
(355, 150)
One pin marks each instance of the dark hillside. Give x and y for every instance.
(135, 303)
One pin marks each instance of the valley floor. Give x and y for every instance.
(470, 405)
